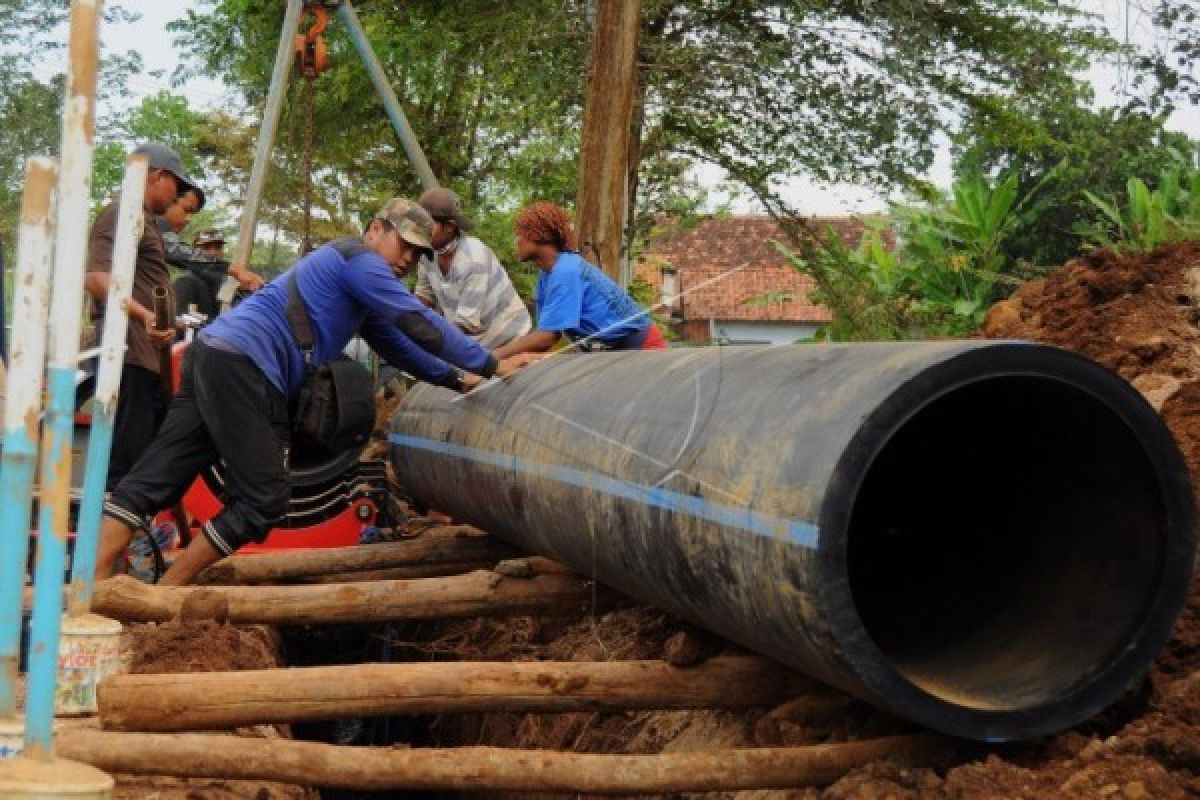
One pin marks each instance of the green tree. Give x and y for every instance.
(1065, 149)
(31, 48)
(1167, 70)
(161, 117)
(768, 90)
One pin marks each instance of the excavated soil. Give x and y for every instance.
(1136, 314)
(182, 646)
(200, 646)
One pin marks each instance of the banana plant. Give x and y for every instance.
(1149, 218)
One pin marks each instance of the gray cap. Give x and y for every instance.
(445, 206)
(160, 156)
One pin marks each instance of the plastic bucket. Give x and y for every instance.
(88, 652)
(12, 737)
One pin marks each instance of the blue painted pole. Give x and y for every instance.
(108, 383)
(66, 307)
(408, 139)
(22, 410)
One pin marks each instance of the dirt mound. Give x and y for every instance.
(200, 646)
(1137, 314)
(203, 645)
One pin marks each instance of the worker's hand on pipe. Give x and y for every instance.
(470, 381)
(250, 281)
(509, 366)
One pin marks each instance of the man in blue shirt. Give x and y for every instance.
(240, 374)
(573, 297)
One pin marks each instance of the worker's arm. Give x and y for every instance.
(186, 257)
(404, 354)
(423, 288)
(468, 314)
(536, 341)
(559, 308)
(372, 283)
(99, 264)
(96, 284)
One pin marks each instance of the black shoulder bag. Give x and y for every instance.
(336, 405)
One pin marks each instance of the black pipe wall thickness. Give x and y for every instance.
(992, 539)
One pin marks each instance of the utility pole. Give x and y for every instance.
(607, 128)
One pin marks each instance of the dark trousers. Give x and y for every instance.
(226, 409)
(140, 410)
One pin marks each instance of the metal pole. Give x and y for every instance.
(70, 245)
(130, 220)
(408, 140)
(23, 408)
(262, 150)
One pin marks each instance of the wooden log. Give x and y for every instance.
(414, 572)
(474, 594)
(199, 755)
(226, 700)
(512, 568)
(453, 543)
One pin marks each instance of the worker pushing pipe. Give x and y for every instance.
(992, 539)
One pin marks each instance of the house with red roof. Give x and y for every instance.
(723, 280)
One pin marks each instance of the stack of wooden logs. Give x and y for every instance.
(151, 721)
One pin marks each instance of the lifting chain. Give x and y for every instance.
(311, 61)
(307, 166)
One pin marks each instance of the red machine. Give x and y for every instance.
(334, 495)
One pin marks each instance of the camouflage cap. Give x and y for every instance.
(208, 236)
(412, 223)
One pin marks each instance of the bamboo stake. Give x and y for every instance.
(130, 221)
(487, 768)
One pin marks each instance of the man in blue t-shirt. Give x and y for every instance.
(574, 298)
(242, 371)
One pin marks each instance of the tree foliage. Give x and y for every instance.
(768, 90)
(1168, 68)
(31, 86)
(1065, 149)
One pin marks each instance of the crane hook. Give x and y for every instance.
(311, 55)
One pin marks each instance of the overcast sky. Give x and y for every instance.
(149, 37)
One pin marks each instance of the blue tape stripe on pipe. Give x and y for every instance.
(801, 533)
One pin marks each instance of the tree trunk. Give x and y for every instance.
(447, 544)
(607, 122)
(474, 594)
(226, 700)
(485, 768)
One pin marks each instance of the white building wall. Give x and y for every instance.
(742, 332)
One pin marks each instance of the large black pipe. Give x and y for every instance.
(990, 538)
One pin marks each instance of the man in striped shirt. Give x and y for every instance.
(465, 280)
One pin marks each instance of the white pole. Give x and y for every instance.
(130, 220)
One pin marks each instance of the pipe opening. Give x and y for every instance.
(1006, 543)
